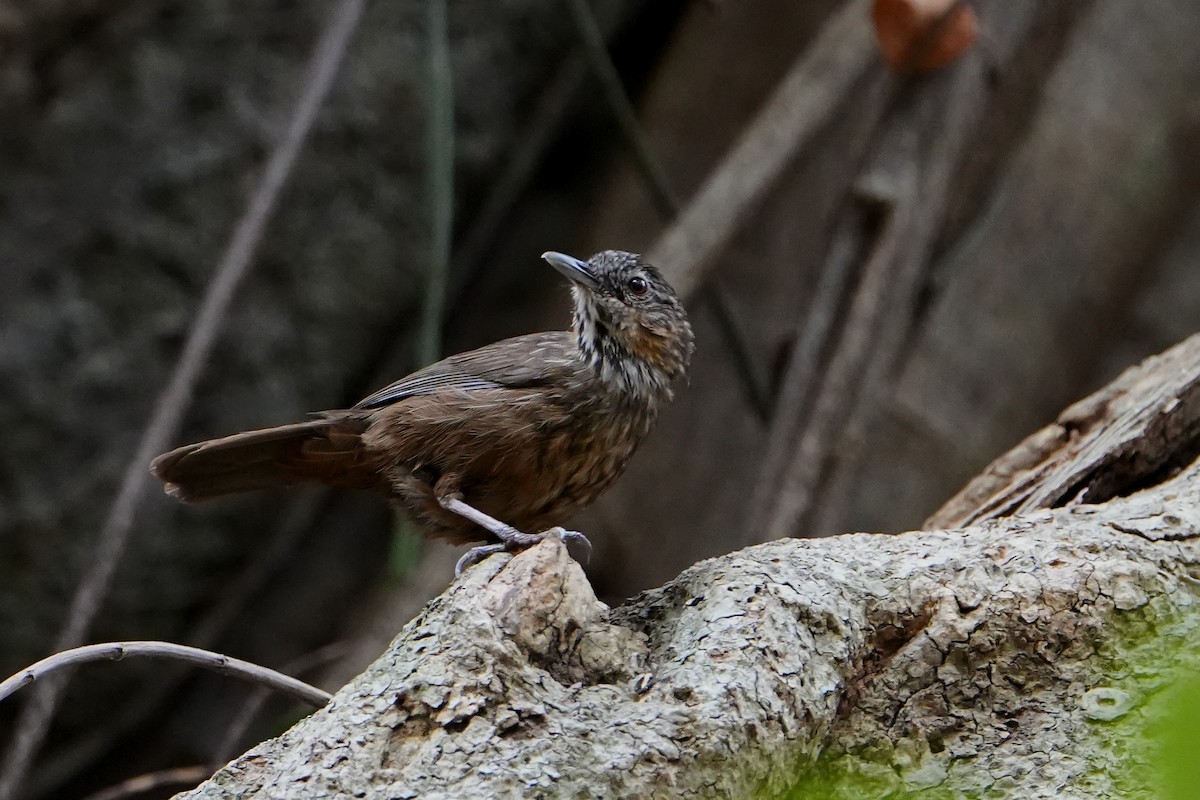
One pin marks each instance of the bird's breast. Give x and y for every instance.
(575, 460)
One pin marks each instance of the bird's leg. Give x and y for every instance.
(510, 538)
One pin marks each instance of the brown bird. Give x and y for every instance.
(500, 444)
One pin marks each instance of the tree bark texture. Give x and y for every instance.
(1013, 657)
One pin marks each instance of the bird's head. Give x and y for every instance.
(629, 322)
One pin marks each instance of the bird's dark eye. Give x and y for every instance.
(637, 286)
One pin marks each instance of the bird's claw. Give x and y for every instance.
(573, 538)
(475, 555)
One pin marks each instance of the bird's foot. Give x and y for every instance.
(513, 541)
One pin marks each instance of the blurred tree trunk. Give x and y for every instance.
(859, 665)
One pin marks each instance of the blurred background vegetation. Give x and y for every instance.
(926, 269)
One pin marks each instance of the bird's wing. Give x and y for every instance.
(520, 362)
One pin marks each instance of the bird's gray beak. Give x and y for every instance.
(577, 271)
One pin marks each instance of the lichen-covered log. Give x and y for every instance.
(1017, 653)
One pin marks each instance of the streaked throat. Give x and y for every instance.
(608, 351)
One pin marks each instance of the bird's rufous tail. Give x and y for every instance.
(324, 450)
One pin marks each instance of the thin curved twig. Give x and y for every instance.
(117, 651)
(286, 536)
(34, 720)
